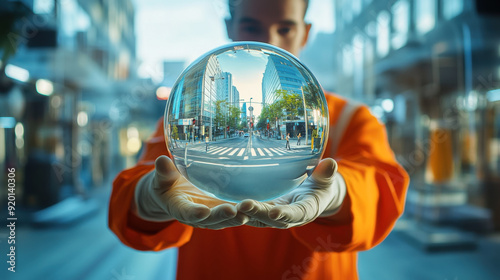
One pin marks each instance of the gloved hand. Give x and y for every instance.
(164, 194)
(321, 194)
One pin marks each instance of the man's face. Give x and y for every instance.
(276, 22)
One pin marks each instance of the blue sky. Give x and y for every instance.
(249, 62)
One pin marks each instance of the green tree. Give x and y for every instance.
(219, 119)
(276, 110)
(264, 115)
(292, 103)
(175, 132)
(234, 116)
(311, 96)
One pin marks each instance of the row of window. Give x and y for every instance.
(391, 29)
(392, 25)
(424, 9)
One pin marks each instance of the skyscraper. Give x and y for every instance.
(280, 74)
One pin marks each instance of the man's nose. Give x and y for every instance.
(270, 37)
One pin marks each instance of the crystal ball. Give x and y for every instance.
(246, 120)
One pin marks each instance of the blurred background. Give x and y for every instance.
(83, 83)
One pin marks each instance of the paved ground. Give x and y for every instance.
(88, 250)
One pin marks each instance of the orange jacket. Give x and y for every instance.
(323, 249)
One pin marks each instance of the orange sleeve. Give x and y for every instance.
(130, 229)
(376, 190)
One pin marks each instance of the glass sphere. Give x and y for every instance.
(246, 120)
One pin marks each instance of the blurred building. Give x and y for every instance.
(74, 63)
(171, 72)
(430, 70)
(321, 61)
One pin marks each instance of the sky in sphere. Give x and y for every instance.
(247, 68)
(173, 30)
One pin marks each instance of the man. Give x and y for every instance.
(312, 233)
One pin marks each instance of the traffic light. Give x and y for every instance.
(227, 128)
(267, 126)
(194, 121)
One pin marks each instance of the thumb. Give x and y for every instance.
(166, 172)
(325, 171)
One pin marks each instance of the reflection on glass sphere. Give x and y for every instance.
(229, 115)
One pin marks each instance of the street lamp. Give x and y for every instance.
(305, 112)
(251, 115)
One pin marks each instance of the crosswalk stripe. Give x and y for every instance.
(220, 151)
(226, 151)
(230, 151)
(215, 149)
(279, 153)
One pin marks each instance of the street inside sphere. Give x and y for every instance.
(246, 121)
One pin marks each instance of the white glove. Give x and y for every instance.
(164, 194)
(321, 194)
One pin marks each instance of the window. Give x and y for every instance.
(347, 61)
(43, 6)
(371, 29)
(452, 8)
(425, 15)
(356, 7)
(358, 47)
(347, 13)
(358, 59)
(400, 23)
(369, 76)
(383, 19)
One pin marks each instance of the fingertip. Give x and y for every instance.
(162, 159)
(328, 163)
(275, 214)
(200, 213)
(242, 218)
(246, 205)
(165, 168)
(335, 165)
(161, 162)
(326, 168)
(229, 211)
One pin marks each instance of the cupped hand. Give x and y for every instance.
(165, 195)
(318, 194)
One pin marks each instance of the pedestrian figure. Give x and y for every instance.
(298, 139)
(206, 143)
(287, 141)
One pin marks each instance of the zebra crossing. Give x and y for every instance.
(244, 152)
